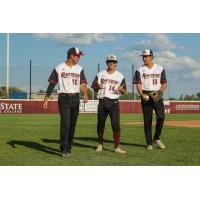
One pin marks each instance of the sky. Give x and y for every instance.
(178, 53)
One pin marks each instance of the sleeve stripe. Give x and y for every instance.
(163, 81)
(83, 81)
(52, 81)
(94, 85)
(136, 82)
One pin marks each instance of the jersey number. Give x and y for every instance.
(155, 81)
(75, 81)
(112, 88)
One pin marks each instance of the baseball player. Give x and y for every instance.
(109, 84)
(151, 83)
(70, 78)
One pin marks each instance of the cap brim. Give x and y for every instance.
(112, 60)
(81, 53)
(145, 55)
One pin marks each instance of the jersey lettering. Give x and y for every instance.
(110, 84)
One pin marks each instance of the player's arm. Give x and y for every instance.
(53, 79)
(137, 81)
(83, 86)
(122, 88)
(45, 103)
(143, 96)
(139, 89)
(95, 85)
(84, 92)
(163, 87)
(163, 81)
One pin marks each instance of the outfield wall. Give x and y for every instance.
(35, 107)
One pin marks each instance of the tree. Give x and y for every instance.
(198, 96)
(137, 97)
(172, 98)
(126, 96)
(11, 90)
(129, 96)
(41, 91)
(2, 92)
(181, 97)
(90, 93)
(189, 97)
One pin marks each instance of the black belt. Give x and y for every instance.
(146, 91)
(69, 94)
(106, 98)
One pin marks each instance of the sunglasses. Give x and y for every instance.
(112, 61)
(78, 55)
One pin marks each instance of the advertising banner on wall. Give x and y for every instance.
(185, 107)
(7, 107)
(90, 107)
(36, 107)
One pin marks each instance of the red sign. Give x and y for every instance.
(36, 107)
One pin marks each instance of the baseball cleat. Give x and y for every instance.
(149, 147)
(99, 148)
(158, 143)
(66, 154)
(118, 150)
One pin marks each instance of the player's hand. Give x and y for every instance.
(121, 88)
(85, 99)
(101, 86)
(145, 97)
(45, 103)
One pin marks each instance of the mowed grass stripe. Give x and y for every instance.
(34, 140)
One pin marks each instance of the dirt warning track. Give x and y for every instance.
(187, 123)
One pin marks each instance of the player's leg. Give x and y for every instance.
(160, 116)
(73, 120)
(114, 113)
(64, 110)
(101, 117)
(147, 108)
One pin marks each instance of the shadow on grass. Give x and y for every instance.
(34, 145)
(93, 139)
(74, 143)
(108, 141)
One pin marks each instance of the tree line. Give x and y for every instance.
(93, 95)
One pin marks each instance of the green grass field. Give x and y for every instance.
(33, 140)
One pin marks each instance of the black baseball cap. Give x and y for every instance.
(147, 52)
(74, 51)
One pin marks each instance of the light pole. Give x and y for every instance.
(30, 78)
(98, 67)
(7, 65)
(132, 80)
